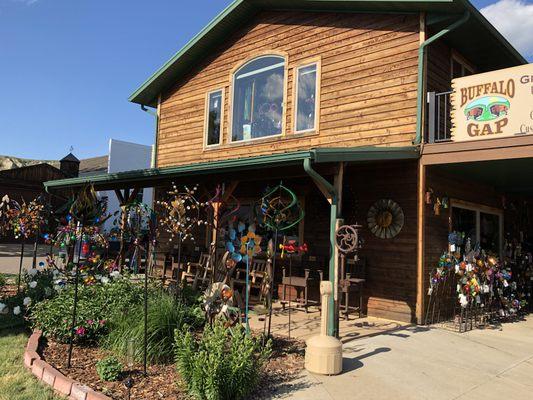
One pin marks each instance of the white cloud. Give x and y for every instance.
(514, 19)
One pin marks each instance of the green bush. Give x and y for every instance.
(97, 304)
(222, 364)
(165, 314)
(109, 368)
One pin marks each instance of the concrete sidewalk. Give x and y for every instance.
(420, 363)
(10, 256)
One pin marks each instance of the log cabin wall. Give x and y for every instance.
(437, 227)
(367, 84)
(391, 269)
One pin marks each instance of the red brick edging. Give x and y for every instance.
(52, 377)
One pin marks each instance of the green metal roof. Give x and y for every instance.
(477, 39)
(150, 177)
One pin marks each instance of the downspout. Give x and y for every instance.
(320, 180)
(156, 116)
(420, 84)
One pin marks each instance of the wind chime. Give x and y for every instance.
(182, 214)
(86, 211)
(280, 211)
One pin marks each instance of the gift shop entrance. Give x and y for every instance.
(478, 232)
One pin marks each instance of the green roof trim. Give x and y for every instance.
(240, 12)
(150, 177)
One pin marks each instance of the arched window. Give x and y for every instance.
(258, 90)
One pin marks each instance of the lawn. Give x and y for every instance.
(16, 383)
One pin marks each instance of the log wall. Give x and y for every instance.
(368, 84)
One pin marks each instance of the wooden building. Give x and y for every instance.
(330, 97)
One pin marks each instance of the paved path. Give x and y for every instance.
(10, 256)
(416, 363)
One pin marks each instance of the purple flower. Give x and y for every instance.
(80, 331)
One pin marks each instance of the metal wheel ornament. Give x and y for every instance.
(385, 218)
(347, 238)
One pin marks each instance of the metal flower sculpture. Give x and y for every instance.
(279, 210)
(25, 221)
(182, 213)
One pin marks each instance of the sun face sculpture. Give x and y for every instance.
(385, 218)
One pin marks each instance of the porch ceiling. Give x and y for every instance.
(506, 176)
(153, 176)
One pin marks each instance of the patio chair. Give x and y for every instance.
(196, 272)
(258, 273)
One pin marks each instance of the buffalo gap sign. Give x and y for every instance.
(493, 104)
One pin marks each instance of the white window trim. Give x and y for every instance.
(283, 104)
(206, 118)
(478, 209)
(317, 97)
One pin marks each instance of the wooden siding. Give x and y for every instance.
(368, 84)
(390, 290)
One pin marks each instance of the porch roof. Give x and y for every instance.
(477, 40)
(152, 176)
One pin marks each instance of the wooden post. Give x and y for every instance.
(421, 219)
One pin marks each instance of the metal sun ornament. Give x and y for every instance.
(385, 218)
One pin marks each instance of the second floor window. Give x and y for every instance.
(306, 98)
(258, 93)
(214, 118)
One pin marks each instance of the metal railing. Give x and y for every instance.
(439, 117)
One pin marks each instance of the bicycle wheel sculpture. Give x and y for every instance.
(347, 238)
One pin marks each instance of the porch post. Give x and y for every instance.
(421, 219)
(331, 195)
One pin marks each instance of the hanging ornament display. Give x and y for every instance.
(385, 218)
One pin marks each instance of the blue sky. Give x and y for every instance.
(68, 67)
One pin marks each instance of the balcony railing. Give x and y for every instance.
(439, 118)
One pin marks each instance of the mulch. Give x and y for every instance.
(8, 290)
(162, 381)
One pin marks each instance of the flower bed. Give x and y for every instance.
(163, 382)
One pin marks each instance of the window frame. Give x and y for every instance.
(478, 209)
(465, 65)
(206, 118)
(233, 72)
(318, 81)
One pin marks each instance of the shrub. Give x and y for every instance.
(165, 314)
(97, 304)
(3, 282)
(109, 368)
(222, 364)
